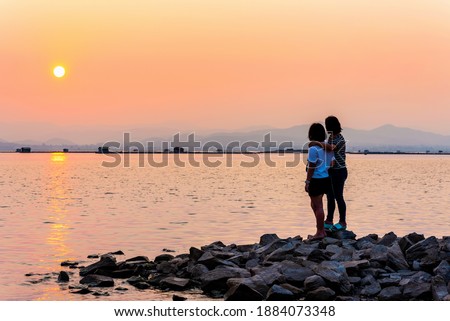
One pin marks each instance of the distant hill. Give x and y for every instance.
(384, 138)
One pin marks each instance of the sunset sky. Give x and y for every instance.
(225, 64)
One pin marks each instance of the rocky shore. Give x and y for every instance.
(339, 267)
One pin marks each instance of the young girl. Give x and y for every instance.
(317, 179)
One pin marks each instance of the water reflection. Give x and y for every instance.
(58, 203)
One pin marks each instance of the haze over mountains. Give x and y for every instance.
(384, 138)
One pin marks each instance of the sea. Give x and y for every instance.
(65, 206)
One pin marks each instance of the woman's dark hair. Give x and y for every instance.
(333, 125)
(317, 132)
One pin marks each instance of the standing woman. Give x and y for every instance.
(338, 174)
(317, 179)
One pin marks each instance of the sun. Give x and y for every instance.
(59, 71)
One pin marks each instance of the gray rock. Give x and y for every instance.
(439, 288)
(63, 277)
(69, 263)
(342, 235)
(353, 267)
(218, 245)
(389, 281)
(295, 274)
(313, 282)
(391, 293)
(251, 263)
(280, 254)
(278, 293)
(269, 248)
(396, 259)
(195, 253)
(138, 260)
(371, 289)
(164, 258)
(242, 292)
(305, 249)
(319, 256)
(443, 269)
(178, 298)
(123, 273)
(343, 255)
(426, 252)
(136, 279)
(295, 290)
(107, 262)
(409, 240)
(417, 290)
(321, 294)
(174, 283)
(246, 247)
(365, 242)
(354, 280)
(94, 280)
(270, 275)
(334, 273)
(255, 282)
(388, 239)
(379, 253)
(267, 239)
(166, 267)
(217, 279)
(197, 271)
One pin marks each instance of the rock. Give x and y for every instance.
(296, 291)
(313, 283)
(251, 263)
(166, 267)
(443, 269)
(334, 273)
(123, 273)
(217, 279)
(269, 248)
(417, 290)
(379, 253)
(319, 256)
(178, 298)
(107, 262)
(211, 262)
(164, 258)
(141, 285)
(388, 239)
(371, 286)
(138, 260)
(343, 255)
(218, 245)
(136, 279)
(267, 239)
(353, 267)
(174, 283)
(426, 252)
(69, 263)
(342, 235)
(409, 240)
(393, 280)
(321, 294)
(195, 253)
(270, 275)
(255, 282)
(365, 242)
(93, 256)
(294, 274)
(305, 249)
(395, 258)
(242, 292)
(278, 293)
(354, 279)
(121, 289)
(329, 241)
(119, 252)
(94, 280)
(391, 293)
(198, 270)
(82, 291)
(280, 254)
(438, 288)
(63, 277)
(246, 247)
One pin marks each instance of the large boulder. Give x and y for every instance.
(395, 258)
(321, 294)
(438, 288)
(94, 280)
(175, 283)
(391, 293)
(294, 274)
(217, 279)
(425, 252)
(314, 282)
(334, 273)
(409, 240)
(107, 262)
(279, 293)
(443, 269)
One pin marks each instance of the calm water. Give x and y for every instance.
(56, 207)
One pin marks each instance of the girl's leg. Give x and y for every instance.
(317, 206)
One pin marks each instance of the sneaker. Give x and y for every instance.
(339, 227)
(328, 226)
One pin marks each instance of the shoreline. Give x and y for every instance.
(339, 267)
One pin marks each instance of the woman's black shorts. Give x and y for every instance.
(319, 186)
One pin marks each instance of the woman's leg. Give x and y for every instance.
(317, 206)
(331, 203)
(338, 182)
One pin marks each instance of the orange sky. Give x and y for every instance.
(226, 64)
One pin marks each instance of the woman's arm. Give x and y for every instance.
(309, 174)
(326, 146)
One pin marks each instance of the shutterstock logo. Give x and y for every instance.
(192, 152)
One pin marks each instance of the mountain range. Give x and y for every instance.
(384, 138)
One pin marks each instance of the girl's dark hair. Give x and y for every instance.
(317, 132)
(333, 125)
